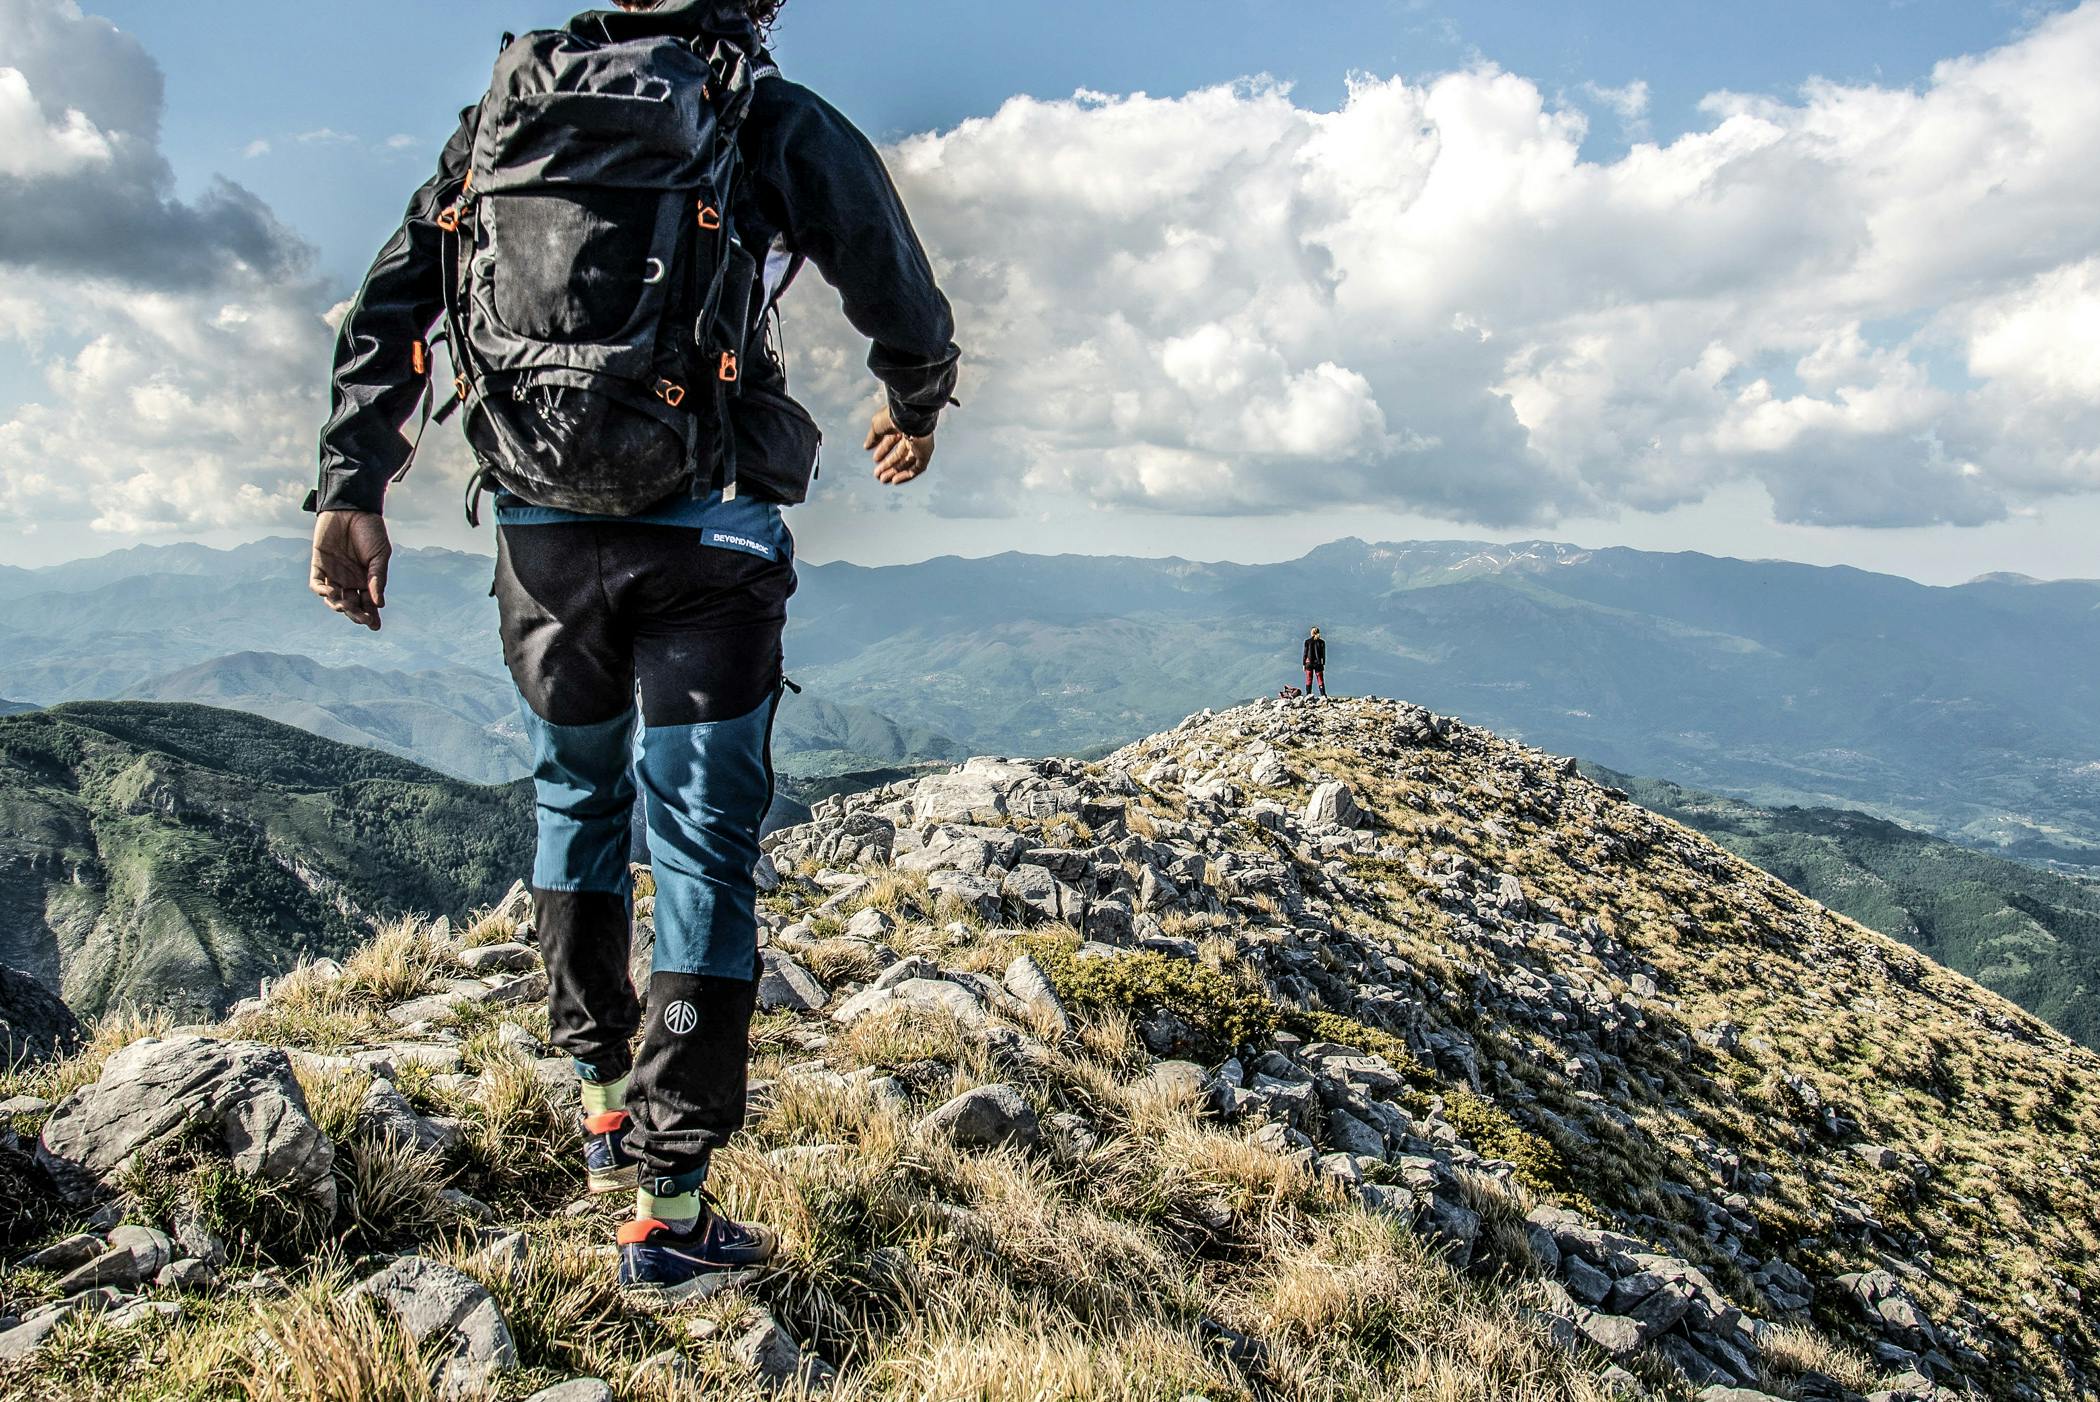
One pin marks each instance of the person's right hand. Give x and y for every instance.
(351, 551)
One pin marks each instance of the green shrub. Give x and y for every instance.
(1224, 1013)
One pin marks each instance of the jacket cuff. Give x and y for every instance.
(348, 491)
(912, 421)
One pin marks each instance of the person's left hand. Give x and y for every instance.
(899, 458)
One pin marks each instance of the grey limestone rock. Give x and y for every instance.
(872, 925)
(500, 959)
(116, 1268)
(1453, 1227)
(239, 1097)
(67, 1254)
(450, 1314)
(186, 1274)
(1036, 890)
(988, 1117)
(979, 893)
(1352, 1136)
(785, 985)
(1878, 1156)
(1883, 1302)
(574, 1390)
(926, 994)
(966, 848)
(982, 789)
(772, 1353)
(1332, 805)
(917, 966)
(1031, 986)
(1615, 1334)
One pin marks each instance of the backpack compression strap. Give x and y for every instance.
(735, 76)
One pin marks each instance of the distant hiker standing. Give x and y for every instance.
(1315, 662)
(604, 243)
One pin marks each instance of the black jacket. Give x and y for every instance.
(1316, 654)
(813, 188)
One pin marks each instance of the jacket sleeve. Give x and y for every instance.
(375, 385)
(826, 187)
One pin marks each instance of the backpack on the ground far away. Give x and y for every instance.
(596, 301)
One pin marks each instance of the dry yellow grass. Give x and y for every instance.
(403, 961)
(2002, 1108)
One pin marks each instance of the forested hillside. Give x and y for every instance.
(173, 856)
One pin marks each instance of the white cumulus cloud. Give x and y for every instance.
(1878, 303)
(178, 341)
(34, 144)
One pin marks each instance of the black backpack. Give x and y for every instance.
(596, 301)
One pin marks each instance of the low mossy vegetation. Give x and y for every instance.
(1228, 1015)
(1223, 1013)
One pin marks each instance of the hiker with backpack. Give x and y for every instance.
(602, 253)
(1315, 663)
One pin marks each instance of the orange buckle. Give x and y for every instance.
(673, 395)
(449, 220)
(419, 357)
(710, 217)
(729, 370)
(459, 387)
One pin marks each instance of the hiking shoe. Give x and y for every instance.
(660, 1259)
(610, 1167)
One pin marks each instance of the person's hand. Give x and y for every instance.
(351, 551)
(898, 458)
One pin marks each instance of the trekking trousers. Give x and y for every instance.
(1312, 677)
(593, 613)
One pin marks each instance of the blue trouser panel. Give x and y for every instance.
(705, 791)
(594, 614)
(582, 776)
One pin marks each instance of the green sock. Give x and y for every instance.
(679, 1211)
(600, 1099)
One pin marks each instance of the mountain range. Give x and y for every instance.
(1969, 712)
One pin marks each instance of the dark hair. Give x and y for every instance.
(763, 12)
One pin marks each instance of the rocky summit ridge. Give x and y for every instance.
(1308, 1050)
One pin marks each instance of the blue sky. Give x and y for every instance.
(405, 67)
(1732, 277)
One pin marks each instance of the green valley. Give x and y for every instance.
(173, 856)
